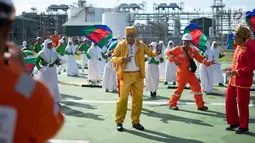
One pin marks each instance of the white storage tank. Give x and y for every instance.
(117, 21)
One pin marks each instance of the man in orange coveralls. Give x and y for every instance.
(27, 110)
(240, 82)
(55, 39)
(184, 74)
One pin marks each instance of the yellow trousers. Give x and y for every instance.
(131, 81)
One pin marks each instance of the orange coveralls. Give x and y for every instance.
(27, 110)
(184, 75)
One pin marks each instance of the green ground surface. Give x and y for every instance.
(90, 114)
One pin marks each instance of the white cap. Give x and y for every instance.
(47, 41)
(85, 39)
(154, 44)
(61, 41)
(38, 38)
(187, 37)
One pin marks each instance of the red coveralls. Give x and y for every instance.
(239, 86)
(184, 75)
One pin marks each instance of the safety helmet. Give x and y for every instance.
(187, 37)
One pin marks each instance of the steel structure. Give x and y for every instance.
(223, 21)
(49, 21)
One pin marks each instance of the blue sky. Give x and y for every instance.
(189, 5)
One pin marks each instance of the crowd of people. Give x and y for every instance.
(126, 69)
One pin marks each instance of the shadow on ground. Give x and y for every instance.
(75, 104)
(75, 113)
(160, 137)
(206, 113)
(65, 96)
(148, 98)
(167, 117)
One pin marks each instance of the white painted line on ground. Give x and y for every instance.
(67, 141)
(144, 102)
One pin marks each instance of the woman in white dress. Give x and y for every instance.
(46, 62)
(152, 72)
(94, 57)
(162, 66)
(110, 75)
(205, 73)
(217, 71)
(171, 68)
(72, 68)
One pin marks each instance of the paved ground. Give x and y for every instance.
(90, 114)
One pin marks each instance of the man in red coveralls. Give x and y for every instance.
(240, 82)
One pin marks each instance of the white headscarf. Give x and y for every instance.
(215, 51)
(154, 46)
(24, 44)
(208, 52)
(168, 47)
(163, 45)
(70, 48)
(49, 55)
(61, 41)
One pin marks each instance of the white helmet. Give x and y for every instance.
(187, 37)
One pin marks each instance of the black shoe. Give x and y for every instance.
(119, 127)
(106, 90)
(221, 84)
(155, 94)
(232, 127)
(203, 108)
(242, 130)
(138, 127)
(152, 94)
(174, 83)
(173, 107)
(165, 83)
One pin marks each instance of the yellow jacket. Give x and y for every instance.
(122, 51)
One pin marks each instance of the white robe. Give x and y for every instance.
(84, 60)
(109, 77)
(152, 75)
(162, 66)
(48, 75)
(94, 63)
(217, 71)
(72, 68)
(171, 69)
(205, 74)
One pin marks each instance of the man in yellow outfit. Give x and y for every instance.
(129, 59)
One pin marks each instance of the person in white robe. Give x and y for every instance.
(162, 66)
(152, 72)
(47, 73)
(171, 68)
(103, 61)
(205, 73)
(72, 67)
(217, 71)
(94, 57)
(24, 45)
(110, 75)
